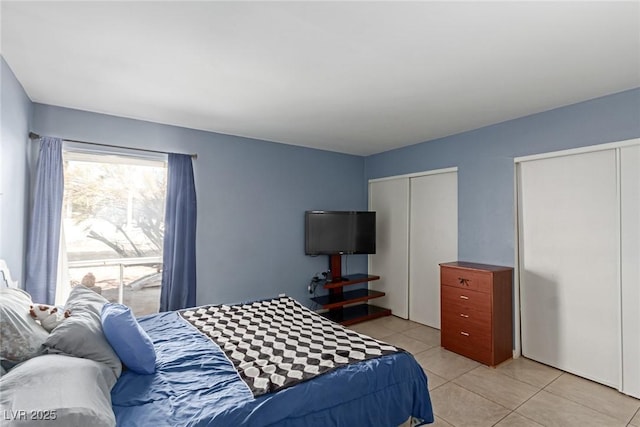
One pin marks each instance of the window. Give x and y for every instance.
(113, 226)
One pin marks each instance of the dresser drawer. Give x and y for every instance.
(472, 346)
(466, 279)
(458, 298)
(457, 326)
(466, 302)
(467, 338)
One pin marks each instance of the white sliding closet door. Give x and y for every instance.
(417, 228)
(433, 239)
(630, 273)
(390, 200)
(569, 253)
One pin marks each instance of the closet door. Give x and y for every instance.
(390, 199)
(433, 239)
(630, 273)
(568, 214)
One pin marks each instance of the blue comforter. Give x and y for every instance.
(196, 385)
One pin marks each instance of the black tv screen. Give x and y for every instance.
(340, 232)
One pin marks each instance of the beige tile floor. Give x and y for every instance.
(517, 393)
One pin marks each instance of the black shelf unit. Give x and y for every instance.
(349, 307)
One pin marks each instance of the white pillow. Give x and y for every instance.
(57, 391)
(22, 336)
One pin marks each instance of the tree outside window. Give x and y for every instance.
(113, 221)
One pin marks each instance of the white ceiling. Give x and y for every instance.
(353, 77)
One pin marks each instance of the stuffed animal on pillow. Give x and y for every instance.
(48, 315)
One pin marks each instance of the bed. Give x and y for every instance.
(196, 381)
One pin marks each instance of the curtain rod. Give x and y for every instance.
(33, 135)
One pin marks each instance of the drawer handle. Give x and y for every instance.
(464, 297)
(463, 281)
(464, 315)
(466, 334)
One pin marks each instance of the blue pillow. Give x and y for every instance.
(130, 342)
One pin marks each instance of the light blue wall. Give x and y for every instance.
(15, 117)
(484, 158)
(251, 199)
(252, 194)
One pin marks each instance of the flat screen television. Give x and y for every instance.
(340, 232)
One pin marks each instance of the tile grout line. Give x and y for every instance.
(484, 397)
(585, 406)
(438, 386)
(510, 411)
(634, 415)
(420, 341)
(523, 403)
(526, 418)
(540, 389)
(417, 340)
(533, 385)
(570, 399)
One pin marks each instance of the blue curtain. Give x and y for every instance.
(44, 229)
(179, 253)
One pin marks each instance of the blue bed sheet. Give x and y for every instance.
(196, 385)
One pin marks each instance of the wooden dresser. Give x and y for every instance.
(476, 311)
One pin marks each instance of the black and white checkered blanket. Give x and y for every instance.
(278, 343)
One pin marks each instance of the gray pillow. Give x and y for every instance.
(22, 337)
(57, 391)
(81, 334)
(85, 300)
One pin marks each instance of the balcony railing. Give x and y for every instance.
(145, 278)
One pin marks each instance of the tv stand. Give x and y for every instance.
(349, 307)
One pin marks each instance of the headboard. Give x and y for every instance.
(5, 276)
